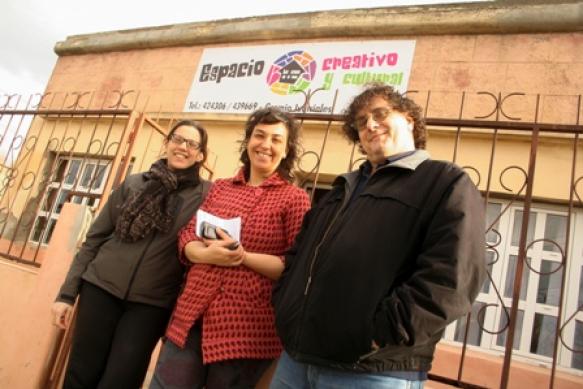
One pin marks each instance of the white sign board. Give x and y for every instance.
(242, 79)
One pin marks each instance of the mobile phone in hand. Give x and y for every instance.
(209, 231)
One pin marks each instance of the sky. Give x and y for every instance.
(29, 29)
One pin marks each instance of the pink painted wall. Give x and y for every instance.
(26, 298)
(485, 370)
(160, 78)
(548, 63)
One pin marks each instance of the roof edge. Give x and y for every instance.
(503, 17)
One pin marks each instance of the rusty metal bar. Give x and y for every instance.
(469, 123)
(62, 112)
(516, 126)
(521, 256)
(566, 250)
(125, 159)
(328, 127)
(458, 131)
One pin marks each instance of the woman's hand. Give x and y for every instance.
(220, 252)
(62, 314)
(224, 241)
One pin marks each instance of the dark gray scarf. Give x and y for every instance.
(155, 206)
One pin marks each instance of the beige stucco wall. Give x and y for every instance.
(545, 64)
(506, 47)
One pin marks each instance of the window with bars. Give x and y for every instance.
(541, 282)
(83, 176)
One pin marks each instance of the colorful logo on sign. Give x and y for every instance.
(291, 73)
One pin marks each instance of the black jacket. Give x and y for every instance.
(147, 271)
(403, 260)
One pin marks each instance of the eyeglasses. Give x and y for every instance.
(378, 115)
(178, 140)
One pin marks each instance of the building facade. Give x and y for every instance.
(501, 85)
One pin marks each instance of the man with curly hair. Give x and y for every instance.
(382, 264)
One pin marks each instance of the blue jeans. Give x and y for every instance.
(290, 374)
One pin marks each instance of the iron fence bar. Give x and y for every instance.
(157, 129)
(566, 251)
(469, 314)
(469, 123)
(517, 126)
(125, 159)
(458, 130)
(117, 112)
(18, 259)
(521, 255)
(328, 127)
(487, 228)
(154, 122)
(319, 117)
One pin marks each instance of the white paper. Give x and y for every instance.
(231, 226)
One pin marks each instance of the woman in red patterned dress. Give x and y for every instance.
(222, 333)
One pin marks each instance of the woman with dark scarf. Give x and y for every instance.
(127, 273)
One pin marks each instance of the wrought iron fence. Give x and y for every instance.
(522, 151)
(53, 150)
(66, 147)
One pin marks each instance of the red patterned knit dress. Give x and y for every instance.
(234, 303)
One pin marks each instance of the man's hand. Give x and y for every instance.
(62, 314)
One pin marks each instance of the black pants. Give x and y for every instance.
(183, 368)
(112, 341)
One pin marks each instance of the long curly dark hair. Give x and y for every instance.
(397, 101)
(272, 115)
